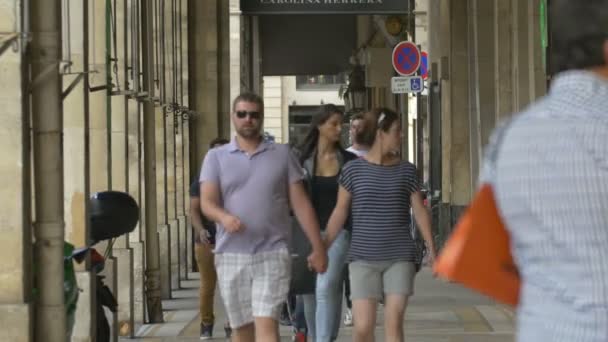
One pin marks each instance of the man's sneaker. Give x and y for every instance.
(206, 332)
(348, 318)
(228, 330)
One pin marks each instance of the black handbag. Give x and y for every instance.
(420, 246)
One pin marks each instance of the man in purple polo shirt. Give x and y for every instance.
(247, 187)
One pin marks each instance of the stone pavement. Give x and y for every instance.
(438, 312)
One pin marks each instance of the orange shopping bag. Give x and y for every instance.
(478, 255)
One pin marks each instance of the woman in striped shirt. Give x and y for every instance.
(379, 189)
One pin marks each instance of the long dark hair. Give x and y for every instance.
(311, 139)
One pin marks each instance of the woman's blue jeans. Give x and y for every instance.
(326, 304)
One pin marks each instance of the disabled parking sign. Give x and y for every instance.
(416, 84)
(407, 84)
(406, 58)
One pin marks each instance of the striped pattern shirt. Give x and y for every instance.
(550, 177)
(380, 210)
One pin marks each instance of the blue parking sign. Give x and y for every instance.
(416, 84)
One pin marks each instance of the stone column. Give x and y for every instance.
(100, 156)
(161, 194)
(482, 68)
(186, 168)
(473, 85)
(521, 67)
(179, 197)
(16, 309)
(450, 52)
(529, 79)
(170, 101)
(205, 79)
(134, 157)
(180, 175)
(503, 45)
(538, 72)
(122, 250)
(142, 210)
(76, 169)
(456, 143)
(434, 122)
(98, 132)
(224, 95)
(254, 50)
(184, 143)
(186, 24)
(179, 152)
(97, 156)
(161, 165)
(153, 280)
(209, 21)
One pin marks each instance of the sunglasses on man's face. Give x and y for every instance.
(241, 114)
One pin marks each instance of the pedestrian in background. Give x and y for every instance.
(357, 147)
(204, 242)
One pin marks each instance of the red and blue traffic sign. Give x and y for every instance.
(424, 65)
(406, 58)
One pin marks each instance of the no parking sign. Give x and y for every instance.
(406, 58)
(424, 66)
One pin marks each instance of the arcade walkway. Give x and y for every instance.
(439, 312)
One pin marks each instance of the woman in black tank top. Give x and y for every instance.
(322, 157)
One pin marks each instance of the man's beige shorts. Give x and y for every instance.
(253, 285)
(373, 279)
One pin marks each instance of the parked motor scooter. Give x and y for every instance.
(111, 215)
